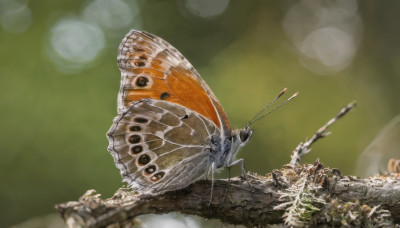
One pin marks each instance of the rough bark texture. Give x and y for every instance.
(300, 196)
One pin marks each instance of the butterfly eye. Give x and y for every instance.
(245, 135)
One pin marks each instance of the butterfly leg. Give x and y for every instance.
(212, 182)
(207, 173)
(227, 188)
(210, 170)
(244, 175)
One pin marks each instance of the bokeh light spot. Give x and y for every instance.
(112, 14)
(326, 35)
(15, 16)
(74, 43)
(330, 46)
(207, 8)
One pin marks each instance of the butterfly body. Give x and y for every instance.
(170, 129)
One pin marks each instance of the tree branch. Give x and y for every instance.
(332, 199)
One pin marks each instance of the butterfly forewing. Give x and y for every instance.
(152, 68)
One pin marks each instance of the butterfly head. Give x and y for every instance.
(244, 135)
(241, 136)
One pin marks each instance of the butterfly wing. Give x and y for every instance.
(161, 138)
(152, 68)
(160, 146)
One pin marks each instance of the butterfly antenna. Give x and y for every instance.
(276, 98)
(290, 98)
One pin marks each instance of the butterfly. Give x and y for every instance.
(170, 130)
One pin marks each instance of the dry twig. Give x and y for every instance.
(304, 148)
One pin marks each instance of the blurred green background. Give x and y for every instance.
(59, 82)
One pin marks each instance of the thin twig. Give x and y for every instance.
(305, 148)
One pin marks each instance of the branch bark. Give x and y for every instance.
(333, 199)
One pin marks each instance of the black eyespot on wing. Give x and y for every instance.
(140, 64)
(141, 120)
(151, 169)
(136, 149)
(142, 81)
(144, 159)
(164, 96)
(157, 176)
(134, 139)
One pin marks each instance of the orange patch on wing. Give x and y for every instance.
(191, 94)
(157, 65)
(137, 94)
(183, 89)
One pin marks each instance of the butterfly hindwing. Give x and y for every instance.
(156, 143)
